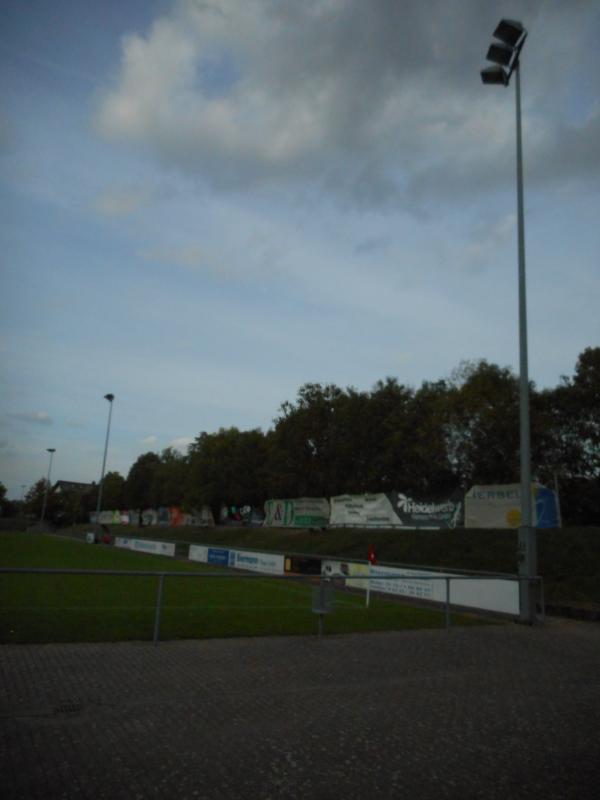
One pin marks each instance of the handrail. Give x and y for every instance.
(162, 574)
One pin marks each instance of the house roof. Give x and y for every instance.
(73, 486)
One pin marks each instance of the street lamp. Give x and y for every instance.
(505, 54)
(110, 398)
(50, 450)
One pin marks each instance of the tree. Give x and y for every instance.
(384, 432)
(34, 500)
(172, 477)
(142, 482)
(482, 428)
(113, 491)
(7, 508)
(227, 467)
(303, 446)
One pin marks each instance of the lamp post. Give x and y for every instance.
(110, 398)
(50, 450)
(505, 54)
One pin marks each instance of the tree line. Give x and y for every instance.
(445, 435)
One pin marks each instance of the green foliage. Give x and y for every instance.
(142, 483)
(34, 500)
(445, 435)
(113, 491)
(227, 467)
(482, 428)
(7, 508)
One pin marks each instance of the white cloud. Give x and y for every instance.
(189, 256)
(181, 443)
(36, 417)
(376, 102)
(74, 423)
(119, 202)
(149, 440)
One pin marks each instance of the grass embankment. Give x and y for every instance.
(41, 608)
(569, 558)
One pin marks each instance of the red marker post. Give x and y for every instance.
(372, 557)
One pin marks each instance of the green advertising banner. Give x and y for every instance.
(301, 512)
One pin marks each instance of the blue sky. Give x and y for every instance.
(206, 205)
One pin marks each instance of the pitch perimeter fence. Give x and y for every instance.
(324, 586)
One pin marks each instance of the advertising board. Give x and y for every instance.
(198, 552)
(146, 546)
(218, 555)
(499, 506)
(487, 593)
(269, 563)
(301, 512)
(396, 510)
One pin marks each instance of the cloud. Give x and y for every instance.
(8, 135)
(374, 244)
(486, 241)
(182, 443)
(190, 256)
(375, 103)
(149, 440)
(35, 417)
(76, 424)
(118, 202)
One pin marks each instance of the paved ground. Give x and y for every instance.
(490, 712)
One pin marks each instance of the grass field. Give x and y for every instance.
(569, 558)
(44, 608)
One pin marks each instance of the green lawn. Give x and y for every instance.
(44, 608)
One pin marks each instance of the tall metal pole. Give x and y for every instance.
(527, 535)
(50, 450)
(110, 398)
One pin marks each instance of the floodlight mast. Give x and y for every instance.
(110, 398)
(506, 56)
(50, 450)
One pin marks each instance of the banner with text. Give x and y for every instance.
(146, 546)
(488, 593)
(499, 506)
(302, 512)
(396, 510)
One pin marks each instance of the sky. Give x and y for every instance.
(206, 205)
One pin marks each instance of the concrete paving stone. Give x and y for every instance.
(499, 711)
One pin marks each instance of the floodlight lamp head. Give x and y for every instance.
(500, 54)
(510, 32)
(109, 397)
(51, 449)
(494, 75)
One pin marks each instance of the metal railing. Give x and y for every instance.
(312, 579)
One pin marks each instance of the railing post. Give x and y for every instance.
(159, 594)
(447, 603)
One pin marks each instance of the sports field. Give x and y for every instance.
(61, 608)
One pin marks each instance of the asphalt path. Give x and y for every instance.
(498, 711)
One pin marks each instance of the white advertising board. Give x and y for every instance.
(362, 510)
(494, 506)
(348, 569)
(500, 595)
(269, 563)
(146, 546)
(198, 552)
